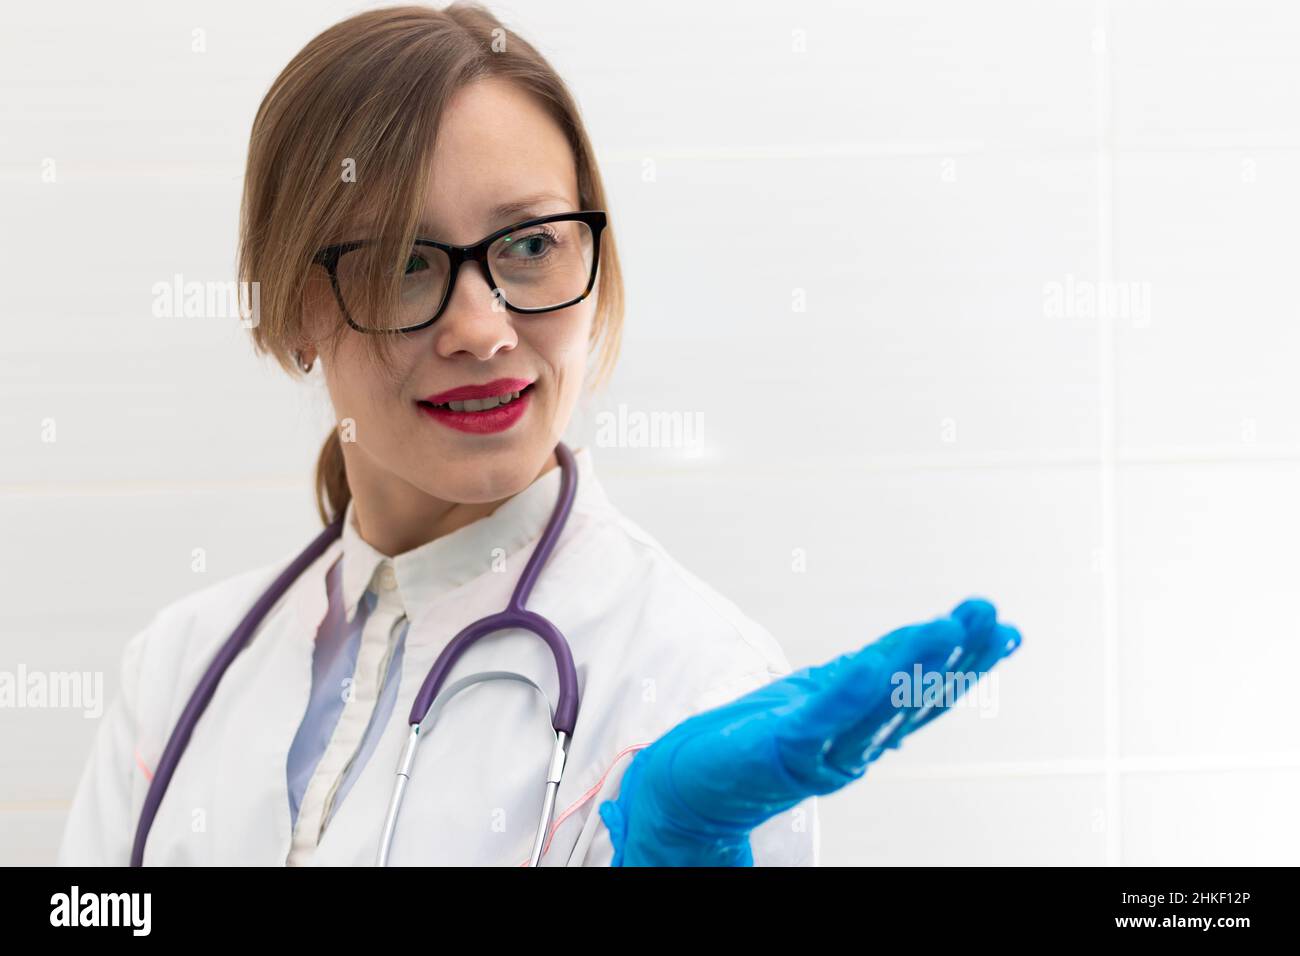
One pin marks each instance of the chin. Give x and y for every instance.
(468, 482)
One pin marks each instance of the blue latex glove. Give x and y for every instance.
(692, 797)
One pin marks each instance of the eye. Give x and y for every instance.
(415, 263)
(534, 245)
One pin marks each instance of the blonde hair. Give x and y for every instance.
(369, 92)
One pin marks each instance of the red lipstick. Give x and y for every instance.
(498, 386)
(484, 421)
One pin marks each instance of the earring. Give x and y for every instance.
(304, 366)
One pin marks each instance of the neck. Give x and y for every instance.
(393, 516)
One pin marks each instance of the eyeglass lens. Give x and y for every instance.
(537, 267)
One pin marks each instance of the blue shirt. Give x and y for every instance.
(334, 662)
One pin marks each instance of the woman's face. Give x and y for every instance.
(495, 145)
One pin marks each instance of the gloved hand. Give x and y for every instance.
(692, 797)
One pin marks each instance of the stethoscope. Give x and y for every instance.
(428, 702)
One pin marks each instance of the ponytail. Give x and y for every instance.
(332, 491)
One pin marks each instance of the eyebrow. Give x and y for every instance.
(526, 204)
(506, 212)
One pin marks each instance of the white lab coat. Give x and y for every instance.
(652, 643)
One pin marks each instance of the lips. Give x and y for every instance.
(475, 405)
(495, 412)
(498, 388)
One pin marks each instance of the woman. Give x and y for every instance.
(390, 143)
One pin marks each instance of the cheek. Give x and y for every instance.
(564, 345)
(364, 392)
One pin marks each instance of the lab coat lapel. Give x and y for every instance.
(477, 789)
(274, 678)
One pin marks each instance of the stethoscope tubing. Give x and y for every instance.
(514, 616)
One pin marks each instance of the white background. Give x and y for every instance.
(1123, 486)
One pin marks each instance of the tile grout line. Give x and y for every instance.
(1107, 388)
(1007, 770)
(901, 464)
(1103, 767)
(177, 173)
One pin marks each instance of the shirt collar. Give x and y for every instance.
(424, 574)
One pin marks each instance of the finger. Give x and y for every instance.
(976, 615)
(983, 643)
(859, 689)
(1000, 641)
(986, 648)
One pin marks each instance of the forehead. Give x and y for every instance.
(499, 157)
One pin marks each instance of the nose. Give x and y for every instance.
(475, 320)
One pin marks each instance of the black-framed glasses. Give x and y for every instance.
(538, 265)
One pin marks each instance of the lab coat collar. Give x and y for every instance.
(426, 573)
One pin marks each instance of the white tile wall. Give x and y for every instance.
(922, 175)
(1217, 818)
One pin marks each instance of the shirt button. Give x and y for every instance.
(387, 577)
